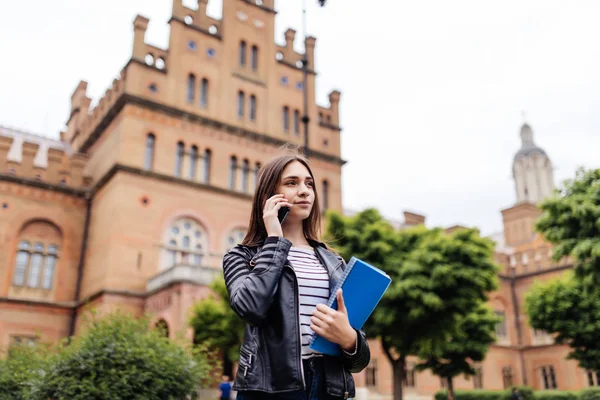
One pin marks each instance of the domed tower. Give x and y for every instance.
(532, 170)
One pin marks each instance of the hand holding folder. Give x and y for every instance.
(363, 286)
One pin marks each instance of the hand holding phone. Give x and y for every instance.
(275, 210)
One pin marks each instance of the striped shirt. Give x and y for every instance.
(313, 284)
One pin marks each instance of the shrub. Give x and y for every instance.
(555, 395)
(590, 394)
(121, 357)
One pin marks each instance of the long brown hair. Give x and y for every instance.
(269, 177)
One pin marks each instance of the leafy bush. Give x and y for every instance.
(555, 395)
(120, 357)
(526, 392)
(22, 370)
(590, 394)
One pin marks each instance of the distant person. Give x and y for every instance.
(516, 395)
(225, 388)
(279, 280)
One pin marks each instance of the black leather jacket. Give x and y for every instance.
(264, 292)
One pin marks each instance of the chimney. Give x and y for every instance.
(309, 45)
(140, 25)
(334, 101)
(290, 35)
(412, 219)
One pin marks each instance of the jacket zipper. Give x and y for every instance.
(346, 394)
(299, 327)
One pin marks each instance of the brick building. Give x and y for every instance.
(136, 203)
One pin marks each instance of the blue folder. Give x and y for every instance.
(362, 286)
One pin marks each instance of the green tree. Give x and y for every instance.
(436, 278)
(121, 357)
(473, 334)
(571, 221)
(566, 308)
(217, 326)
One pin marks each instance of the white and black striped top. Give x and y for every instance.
(313, 282)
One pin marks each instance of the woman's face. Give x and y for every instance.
(297, 186)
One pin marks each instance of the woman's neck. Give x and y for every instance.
(295, 234)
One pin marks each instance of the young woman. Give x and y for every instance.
(279, 280)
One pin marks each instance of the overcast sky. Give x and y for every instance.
(432, 90)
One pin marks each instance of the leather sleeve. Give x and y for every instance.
(252, 289)
(358, 361)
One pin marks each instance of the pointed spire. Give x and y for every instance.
(527, 136)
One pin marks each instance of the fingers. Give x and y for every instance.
(340, 300)
(276, 202)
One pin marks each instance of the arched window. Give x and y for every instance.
(163, 327)
(507, 377)
(240, 104)
(235, 236)
(254, 60)
(35, 264)
(193, 162)
(232, 172)
(185, 243)
(242, 53)
(191, 88)
(501, 328)
(286, 119)
(296, 122)
(253, 108)
(325, 196)
(204, 93)
(245, 175)
(149, 156)
(207, 159)
(179, 158)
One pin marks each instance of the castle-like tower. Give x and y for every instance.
(532, 170)
(138, 201)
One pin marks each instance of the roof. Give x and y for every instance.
(19, 137)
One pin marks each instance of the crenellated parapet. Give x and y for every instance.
(84, 121)
(37, 158)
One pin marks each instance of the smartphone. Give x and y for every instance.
(282, 213)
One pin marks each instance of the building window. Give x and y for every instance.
(501, 331)
(443, 383)
(240, 104)
(193, 162)
(35, 264)
(548, 377)
(286, 119)
(507, 377)
(254, 60)
(232, 172)
(185, 243)
(325, 196)
(179, 158)
(18, 341)
(256, 172)
(207, 159)
(149, 156)
(410, 379)
(235, 237)
(593, 378)
(191, 86)
(204, 93)
(372, 373)
(242, 53)
(245, 175)
(253, 108)
(478, 378)
(162, 327)
(296, 122)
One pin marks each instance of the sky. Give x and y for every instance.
(433, 92)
